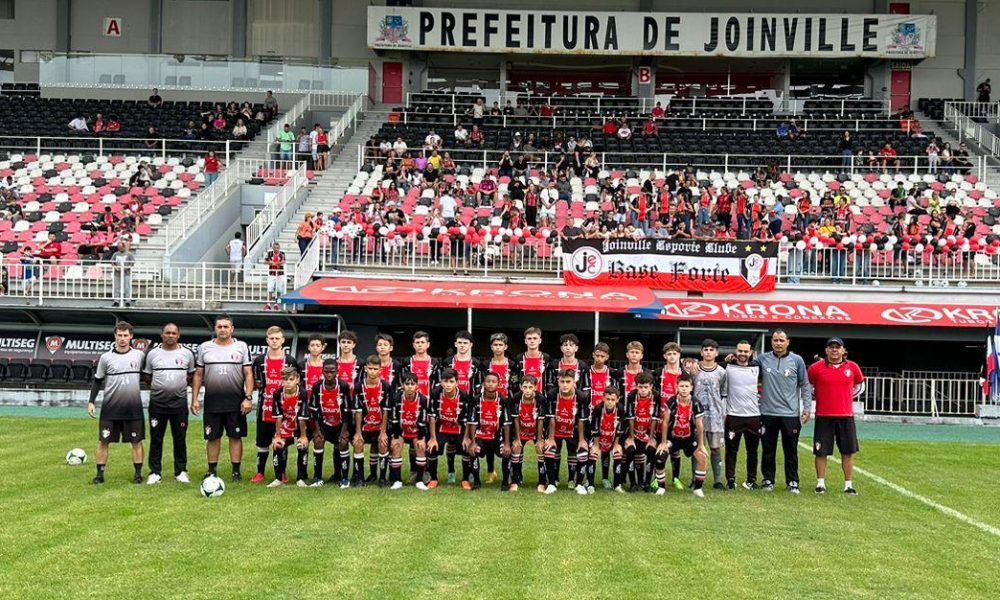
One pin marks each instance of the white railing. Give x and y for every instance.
(333, 99)
(348, 120)
(965, 118)
(177, 285)
(310, 261)
(111, 145)
(932, 397)
(293, 180)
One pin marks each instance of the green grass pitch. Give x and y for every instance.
(61, 537)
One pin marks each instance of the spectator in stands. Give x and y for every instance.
(232, 110)
(658, 112)
(461, 135)
(50, 250)
(152, 139)
(983, 91)
(399, 146)
(122, 262)
(495, 111)
(29, 269)
(384, 147)
(92, 249)
(650, 128)
(285, 142)
(270, 105)
(846, 146)
(783, 131)
(236, 251)
(211, 168)
(305, 231)
(610, 126)
(506, 166)
(933, 156)
(4, 277)
(155, 101)
(947, 159)
(432, 141)
(888, 157)
(961, 160)
(304, 149)
(624, 131)
(447, 164)
(240, 132)
(219, 122)
(142, 177)
(546, 110)
(322, 149)
(476, 138)
(79, 124)
(478, 111)
(794, 132)
(99, 125)
(897, 198)
(190, 131)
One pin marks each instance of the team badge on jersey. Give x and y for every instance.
(154, 422)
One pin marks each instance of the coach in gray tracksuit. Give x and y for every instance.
(785, 397)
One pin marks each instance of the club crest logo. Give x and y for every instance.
(905, 38)
(140, 344)
(154, 422)
(54, 343)
(394, 30)
(105, 433)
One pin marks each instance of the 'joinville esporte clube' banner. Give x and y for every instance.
(661, 34)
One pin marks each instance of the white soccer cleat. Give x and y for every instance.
(182, 477)
(582, 490)
(700, 493)
(421, 486)
(619, 489)
(396, 485)
(275, 483)
(301, 483)
(153, 479)
(591, 489)
(551, 489)
(660, 491)
(317, 483)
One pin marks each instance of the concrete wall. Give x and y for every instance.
(32, 28)
(196, 27)
(86, 21)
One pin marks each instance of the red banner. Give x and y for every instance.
(461, 294)
(672, 264)
(848, 313)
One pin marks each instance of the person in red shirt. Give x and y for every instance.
(546, 110)
(649, 128)
(888, 157)
(836, 382)
(371, 408)
(658, 112)
(610, 126)
(332, 409)
(267, 375)
(50, 250)
(596, 381)
(212, 166)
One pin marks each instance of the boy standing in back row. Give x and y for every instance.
(710, 389)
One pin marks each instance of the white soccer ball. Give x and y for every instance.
(75, 457)
(876, 283)
(212, 487)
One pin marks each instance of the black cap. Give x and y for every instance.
(834, 341)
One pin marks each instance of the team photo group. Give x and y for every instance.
(619, 427)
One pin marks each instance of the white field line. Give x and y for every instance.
(951, 512)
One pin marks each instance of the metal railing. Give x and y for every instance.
(108, 146)
(855, 164)
(932, 397)
(293, 178)
(970, 120)
(177, 285)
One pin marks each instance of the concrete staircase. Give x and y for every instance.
(331, 184)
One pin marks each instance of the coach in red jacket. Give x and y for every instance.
(836, 382)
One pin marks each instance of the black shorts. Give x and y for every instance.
(834, 429)
(744, 425)
(265, 433)
(233, 423)
(396, 433)
(686, 445)
(455, 439)
(370, 437)
(331, 433)
(113, 431)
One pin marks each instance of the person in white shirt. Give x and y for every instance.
(385, 147)
(312, 142)
(624, 132)
(549, 197)
(447, 204)
(433, 140)
(461, 135)
(79, 124)
(236, 250)
(399, 146)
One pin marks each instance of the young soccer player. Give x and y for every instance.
(349, 368)
(484, 430)
(371, 402)
(289, 408)
(567, 409)
(408, 418)
(608, 431)
(392, 368)
(267, 376)
(500, 364)
(332, 407)
(311, 368)
(422, 365)
(710, 390)
(626, 376)
(597, 379)
(685, 433)
(569, 345)
(527, 427)
(468, 368)
(643, 410)
(667, 376)
(448, 410)
(532, 361)
(121, 411)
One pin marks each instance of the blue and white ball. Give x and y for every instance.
(212, 487)
(76, 457)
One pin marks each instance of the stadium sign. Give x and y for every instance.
(825, 313)
(454, 294)
(687, 265)
(660, 34)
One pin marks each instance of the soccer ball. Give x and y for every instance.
(75, 457)
(212, 487)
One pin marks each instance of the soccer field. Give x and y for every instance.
(64, 538)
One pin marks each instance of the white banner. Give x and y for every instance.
(659, 34)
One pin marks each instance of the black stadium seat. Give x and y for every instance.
(38, 370)
(4, 362)
(59, 371)
(17, 370)
(82, 371)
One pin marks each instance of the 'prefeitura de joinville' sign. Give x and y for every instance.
(659, 34)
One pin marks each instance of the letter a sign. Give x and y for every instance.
(112, 27)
